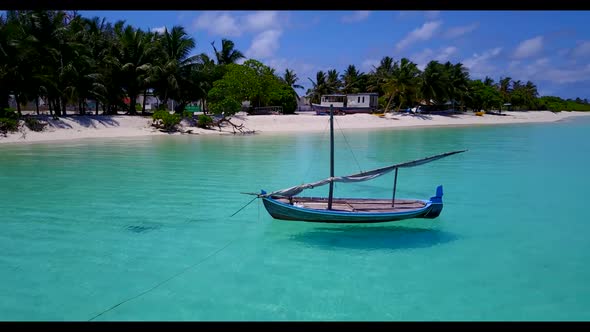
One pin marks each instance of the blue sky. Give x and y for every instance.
(551, 48)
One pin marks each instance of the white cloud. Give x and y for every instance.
(529, 48)
(226, 24)
(582, 49)
(357, 16)
(159, 30)
(459, 31)
(478, 64)
(261, 20)
(425, 56)
(368, 64)
(425, 32)
(431, 14)
(445, 54)
(217, 23)
(264, 44)
(302, 70)
(280, 64)
(542, 70)
(514, 64)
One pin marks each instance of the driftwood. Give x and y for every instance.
(235, 127)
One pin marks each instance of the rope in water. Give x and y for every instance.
(165, 281)
(177, 274)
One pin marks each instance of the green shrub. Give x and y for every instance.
(9, 113)
(8, 125)
(34, 124)
(166, 121)
(160, 114)
(204, 121)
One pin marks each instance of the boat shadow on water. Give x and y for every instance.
(374, 237)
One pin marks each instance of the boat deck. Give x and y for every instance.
(356, 204)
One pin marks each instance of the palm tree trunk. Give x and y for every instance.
(17, 99)
(144, 98)
(389, 103)
(3, 99)
(56, 111)
(63, 105)
(132, 103)
(50, 106)
(37, 104)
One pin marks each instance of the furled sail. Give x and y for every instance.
(363, 176)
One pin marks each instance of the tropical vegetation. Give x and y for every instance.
(71, 63)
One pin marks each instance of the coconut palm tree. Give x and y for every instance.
(135, 52)
(434, 83)
(290, 78)
(228, 54)
(173, 68)
(352, 80)
(380, 75)
(458, 79)
(206, 73)
(319, 87)
(333, 81)
(402, 83)
(505, 88)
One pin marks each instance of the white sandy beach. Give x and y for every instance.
(78, 127)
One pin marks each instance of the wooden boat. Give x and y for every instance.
(286, 205)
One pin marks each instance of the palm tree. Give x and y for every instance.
(333, 82)
(380, 75)
(504, 88)
(319, 87)
(434, 83)
(352, 80)
(174, 71)
(206, 72)
(401, 83)
(458, 82)
(135, 53)
(290, 78)
(228, 53)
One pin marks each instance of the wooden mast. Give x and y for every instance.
(394, 187)
(330, 195)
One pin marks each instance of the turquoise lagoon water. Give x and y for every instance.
(86, 225)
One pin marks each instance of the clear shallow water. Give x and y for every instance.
(88, 224)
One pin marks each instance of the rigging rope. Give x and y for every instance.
(316, 151)
(349, 147)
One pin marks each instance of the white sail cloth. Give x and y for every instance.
(363, 176)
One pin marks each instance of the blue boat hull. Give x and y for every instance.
(283, 211)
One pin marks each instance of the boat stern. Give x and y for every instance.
(436, 204)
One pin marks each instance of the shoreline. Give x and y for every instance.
(123, 126)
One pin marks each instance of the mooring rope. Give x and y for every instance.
(179, 273)
(165, 281)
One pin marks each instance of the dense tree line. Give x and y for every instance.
(402, 84)
(65, 59)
